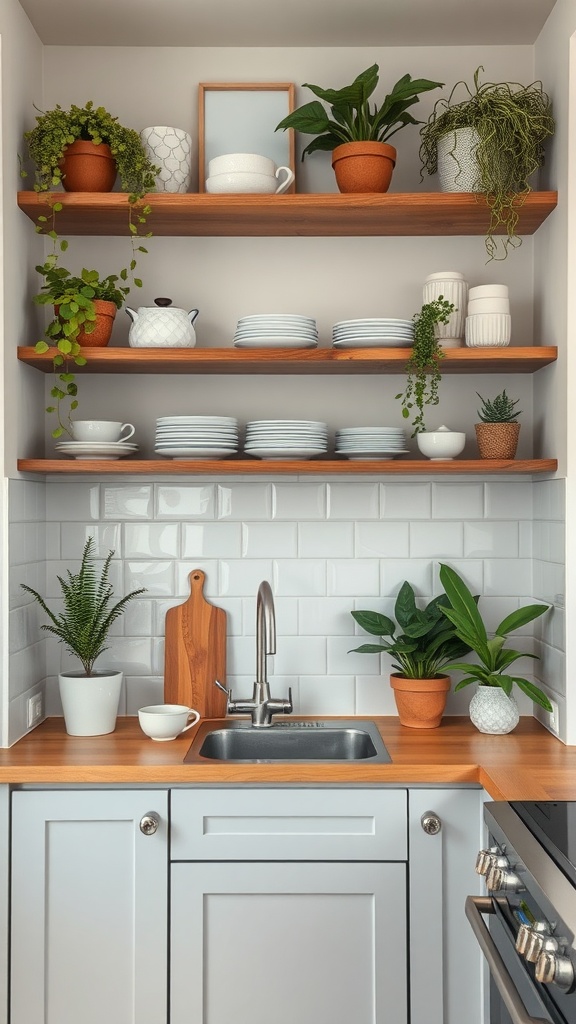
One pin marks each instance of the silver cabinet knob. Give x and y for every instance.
(149, 824)
(556, 969)
(431, 823)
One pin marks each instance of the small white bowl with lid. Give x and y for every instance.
(442, 443)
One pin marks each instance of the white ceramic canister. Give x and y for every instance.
(458, 169)
(451, 285)
(488, 330)
(170, 149)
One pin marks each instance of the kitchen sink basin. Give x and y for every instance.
(311, 740)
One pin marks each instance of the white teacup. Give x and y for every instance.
(250, 181)
(166, 721)
(244, 162)
(102, 431)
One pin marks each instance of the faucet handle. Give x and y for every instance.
(223, 688)
(290, 705)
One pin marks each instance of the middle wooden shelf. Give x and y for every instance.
(510, 359)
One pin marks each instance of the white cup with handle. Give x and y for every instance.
(163, 722)
(102, 431)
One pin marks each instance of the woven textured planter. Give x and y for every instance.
(88, 168)
(363, 166)
(497, 440)
(420, 702)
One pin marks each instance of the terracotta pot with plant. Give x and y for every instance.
(426, 643)
(492, 708)
(89, 698)
(491, 141)
(497, 434)
(357, 133)
(423, 373)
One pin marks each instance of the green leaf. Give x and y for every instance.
(535, 693)
(41, 346)
(405, 606)
(465, 682)
(367, 649)
(463, 603)
(311, 119)
(520, 617)
(374, 623)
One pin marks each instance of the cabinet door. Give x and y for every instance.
(89, 908)
(288, 942)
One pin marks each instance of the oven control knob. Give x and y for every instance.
(503, 880)
(538, 943)
(486, 860)
(551, 968)
(526, 933)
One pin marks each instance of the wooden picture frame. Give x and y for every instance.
(240, 117)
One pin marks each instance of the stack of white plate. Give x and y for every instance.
(371, 442)
(196, 437)
(95, 450)
(286, 439)
(276, 330)
(373, 333)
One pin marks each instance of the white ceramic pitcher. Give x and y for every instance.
(161, 326)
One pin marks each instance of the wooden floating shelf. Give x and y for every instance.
(295, 361)
(226, 467)
(328, 214)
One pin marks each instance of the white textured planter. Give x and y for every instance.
(457, 165)
(452, 287)
(491, 711)
(90, 703)
(170, 149)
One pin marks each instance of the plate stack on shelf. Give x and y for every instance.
(371, 442)
(276, 330)
(196, 437)
(286, 439)
(373, 333)
(96, 450)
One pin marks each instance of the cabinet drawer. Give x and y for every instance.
(297, 824)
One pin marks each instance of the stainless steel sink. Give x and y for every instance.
(311, 740)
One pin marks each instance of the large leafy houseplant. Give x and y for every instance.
(512, 123)
(423, 373)
(495, 659)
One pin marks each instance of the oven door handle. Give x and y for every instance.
(476, 906)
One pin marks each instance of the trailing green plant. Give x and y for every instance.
(513, 122)
(495, 659)
(73, 298)
(423, 374)
(499, 409)
(89, 613)
(353, 119)
(426, 640)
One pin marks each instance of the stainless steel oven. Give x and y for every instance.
(526, 923)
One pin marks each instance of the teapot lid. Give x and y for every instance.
(163, 302)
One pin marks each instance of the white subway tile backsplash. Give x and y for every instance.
(525, 539)
(132, 655)
(321, 540)
(157, 664)
(436, 540)
(490, 539)
(328, 617)
(471, 570)
(27, 666)
(209, 567)
(138, 618)
(352, 576)
(184, 501)
(508, 576)
(106, 537)
(374, 696)
(298, 501)
(211, 540)
(244, 501)
(508, 499)
(27, 542)
(141, 691)
(457, 500)
(77, 501)
(405, 500)
(127, 502)
(239, 578)
(320, 695)
(393, 572)
(286, 615)
(156, 577)
(342, 659)
(295, 577)
(549, 582)
(382, 540)
(298, 654)
(353, 500)
(151, 540)
(557, 543)
(269, 540)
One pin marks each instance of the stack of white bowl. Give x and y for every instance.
(359, 443)
(196, 437)
(247, 172)
(276, 330)
(488, 323)
(286, 439)
(373, 332)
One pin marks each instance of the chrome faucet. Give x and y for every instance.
(261, 706)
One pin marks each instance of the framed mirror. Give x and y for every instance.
(241, 118)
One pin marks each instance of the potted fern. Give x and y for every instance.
(497, 433)
(89, 698)
(357, 133)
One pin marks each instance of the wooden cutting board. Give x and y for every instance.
(195, 652)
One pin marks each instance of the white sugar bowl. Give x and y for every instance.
(442, 443)
(161, 326)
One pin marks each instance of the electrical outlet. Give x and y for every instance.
(35, 709)
(553, 718)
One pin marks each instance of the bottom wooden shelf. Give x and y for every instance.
(226, 467)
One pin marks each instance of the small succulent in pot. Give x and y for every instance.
(497, 433)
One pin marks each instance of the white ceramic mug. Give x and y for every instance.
(166, 721)
(101, 431)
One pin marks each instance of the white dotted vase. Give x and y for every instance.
(449, 284)
(457, 164)
(492, 711)
(170, 149)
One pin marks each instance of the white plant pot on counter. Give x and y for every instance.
(90, 703)
(492, 711)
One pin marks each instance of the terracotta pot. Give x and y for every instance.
(497, 440)
(88, 168)
(420, 702)
(100, 336)
(363, 166)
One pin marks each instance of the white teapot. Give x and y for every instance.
(161, 326)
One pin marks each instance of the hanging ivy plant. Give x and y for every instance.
(423, 374)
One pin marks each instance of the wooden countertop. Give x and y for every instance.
(527, 764)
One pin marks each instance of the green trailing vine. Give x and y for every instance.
(423, 374)
(513, 122)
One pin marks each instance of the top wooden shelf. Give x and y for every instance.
(330, 214)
